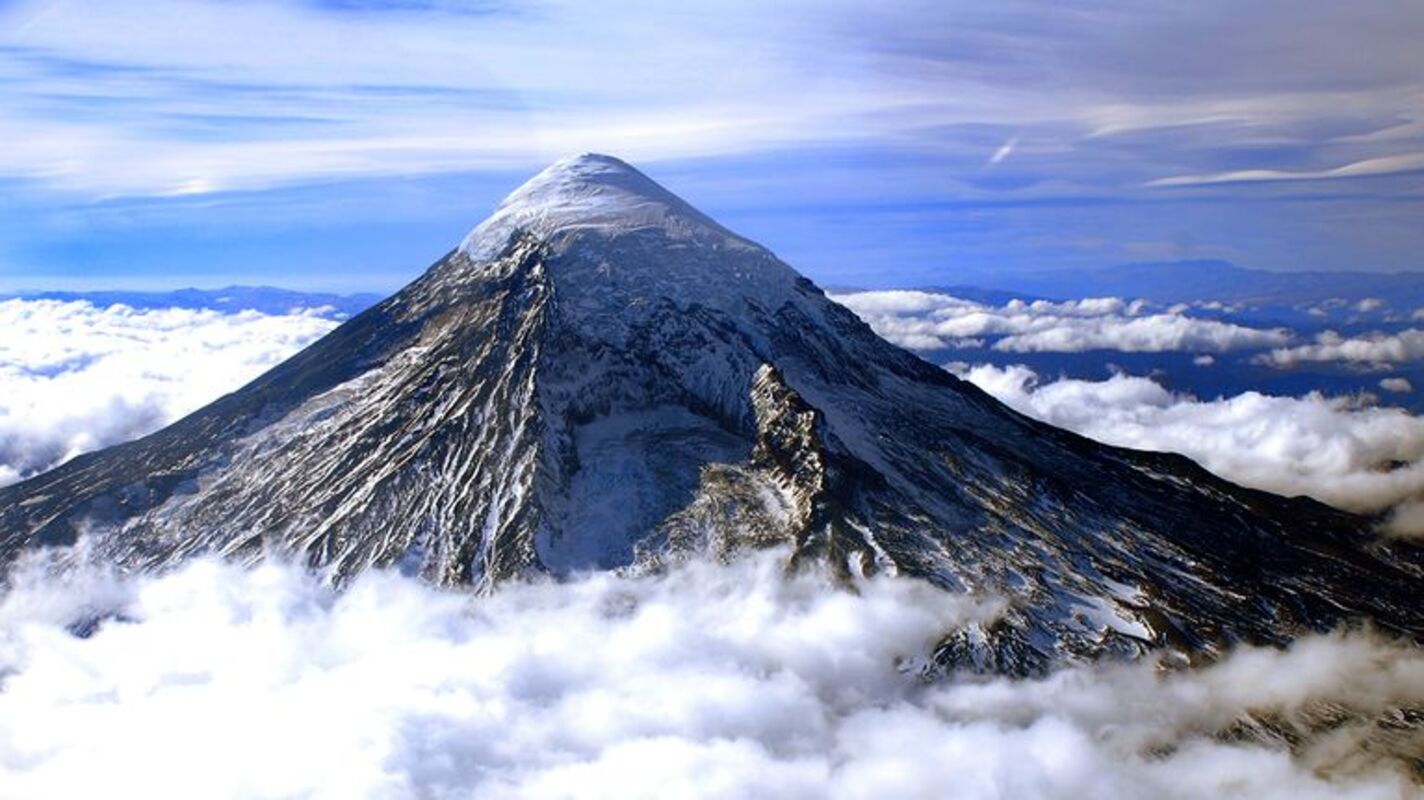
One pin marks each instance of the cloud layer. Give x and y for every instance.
(1357, 457)
(927, 138)
(400, 87)
(1375, 348)
(930, 321)
(711, 681)
(75, 377)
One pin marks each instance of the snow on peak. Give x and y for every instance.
(587, 192)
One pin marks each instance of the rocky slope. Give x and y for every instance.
(600, 376)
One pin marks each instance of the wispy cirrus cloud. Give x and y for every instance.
(931, 136)
(167, 97)
(181, 98)
(1385, 165)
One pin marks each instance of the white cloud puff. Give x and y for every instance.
(930, 321)
(1353, 456)
(75, 377)
(1398, 385)
(1374, 348)
(713, 681)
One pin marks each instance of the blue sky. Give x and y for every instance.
(345, 144)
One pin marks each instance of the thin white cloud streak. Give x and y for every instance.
(714, 681)
(929, 321)
(1374, 348)
(1005, 150)
(1384, 165)
(1356, 457)
(75, 377)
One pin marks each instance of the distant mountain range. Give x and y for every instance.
(1161, 281)
(1191, 281)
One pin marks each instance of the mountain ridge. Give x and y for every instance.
(601, 377)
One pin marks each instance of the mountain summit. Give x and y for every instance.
(590, 191)
(600, 376)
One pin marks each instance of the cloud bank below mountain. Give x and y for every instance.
(1378, 348)
(76, 377)
(1338, 450)
(931, 321)
(709, 681)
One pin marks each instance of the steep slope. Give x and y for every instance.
(601, 376)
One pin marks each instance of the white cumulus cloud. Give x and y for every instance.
(75, 377)
(931, 321)
(713, 681)
(1374, 348)
(1357, 457)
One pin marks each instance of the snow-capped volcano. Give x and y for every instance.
(591, 191)
(600, 376)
